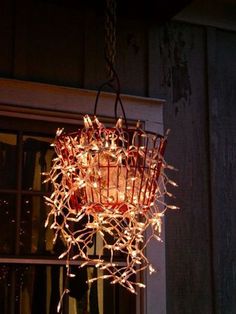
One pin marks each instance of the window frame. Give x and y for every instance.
(44, 102)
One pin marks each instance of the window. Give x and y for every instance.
(35, 279)
(30, 273)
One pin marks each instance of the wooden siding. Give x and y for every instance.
(7, 37)
(194, 68)
(222, 122)
(188, 262)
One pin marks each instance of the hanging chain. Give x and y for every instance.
(110, 55)
(110, 37)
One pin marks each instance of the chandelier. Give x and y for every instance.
(108, 182)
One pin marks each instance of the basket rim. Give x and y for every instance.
(125, 130)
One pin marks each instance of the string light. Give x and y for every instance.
(108, 182)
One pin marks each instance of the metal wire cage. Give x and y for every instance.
(111, 167)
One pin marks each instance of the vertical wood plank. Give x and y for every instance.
(131, 59)
(222, 120)
(188, 261)
(155, 88)
(22, 9)
(7, 37)
(156, 283)
(94, 63)
(132, 56)
(49, 43)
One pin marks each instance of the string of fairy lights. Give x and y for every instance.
(108, 182)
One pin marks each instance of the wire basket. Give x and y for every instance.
(111, 167)
(108, 182)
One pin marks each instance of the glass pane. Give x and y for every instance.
(5, 288)
(7, 223)
(38, 240)
(37, 289)
(8, 162)
(38, 155)
(99, 297)
(34, 237)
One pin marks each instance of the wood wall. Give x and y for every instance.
(194, 68)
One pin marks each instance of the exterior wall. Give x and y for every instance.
(188, 235)
(194, 68)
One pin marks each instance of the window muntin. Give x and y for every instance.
(8, 160)
(7, 223)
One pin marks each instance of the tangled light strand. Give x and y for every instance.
(108, 182)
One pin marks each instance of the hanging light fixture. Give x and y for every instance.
(108, 182)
